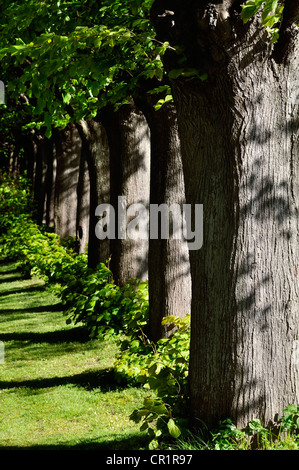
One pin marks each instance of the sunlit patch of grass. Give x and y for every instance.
(57, 388)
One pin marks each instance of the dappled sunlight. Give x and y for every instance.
(58, 388)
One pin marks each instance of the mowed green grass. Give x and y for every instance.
(57, 388)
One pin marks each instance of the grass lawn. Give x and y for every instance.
(57, 388)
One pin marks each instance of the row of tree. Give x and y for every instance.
(165, 102)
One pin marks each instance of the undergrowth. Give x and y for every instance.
(91, 297)
(284, 435)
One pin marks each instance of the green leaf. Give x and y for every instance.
(175, 73)
(154, 444)
(204, 77)
(250, 8)
(144, 426)
(159, 409)
(173, 429)
(67, 98)
(48, 133)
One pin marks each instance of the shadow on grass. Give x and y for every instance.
(39, 309)
(105, 380)
(21, 290)
(135, 442)
(11, 277)
(76, 334)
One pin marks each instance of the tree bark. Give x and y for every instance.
(168, 268)
(128, 136)
(68, 150)
(239, 140)
(96, 150)
(83, 205)
(43, 178)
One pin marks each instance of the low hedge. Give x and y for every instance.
(91, 297)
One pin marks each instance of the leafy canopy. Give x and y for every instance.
(70, 59)
(73, 58)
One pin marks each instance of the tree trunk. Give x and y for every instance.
(239, 139)
(169, 269)
(49, 179)
(43, 178)
(68, 150)
(128, 136)
(83, 204)
(96, 151)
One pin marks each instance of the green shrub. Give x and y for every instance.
(91, 297)
(16, 202)
(226, 436)
(163, 369)
(104, 307)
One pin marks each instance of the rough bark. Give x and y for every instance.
(128, 136)
(43, 178)
(49, 180)
(239, 140)
(168, 268)
(68, 150)
(96, 150)
(83, 205)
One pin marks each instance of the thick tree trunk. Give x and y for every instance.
(68, 151)
(128, 136)
(49, 179)
(29, 155)
(96, 150)
(83, 205)
(168, 268)
(239, 139)
(43, 178)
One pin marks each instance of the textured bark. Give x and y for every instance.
(49, 180)
(128, 136)
(96, 151)
(43, 178)
(83, 205)
(169, 268)
(239, 140)
(68, 151)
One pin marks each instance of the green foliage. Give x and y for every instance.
(15, 201)
(226, 436)
(104, 307)
(290, 419)
(271, 14)
(156, 418)
(166, 369)
(76, 57)
(91, 297)
(163, 369)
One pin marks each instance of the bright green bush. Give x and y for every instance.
(91, 297)
(226, 436)
(162, 368)
(104, 307)
(15, 201)
(39, 252)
